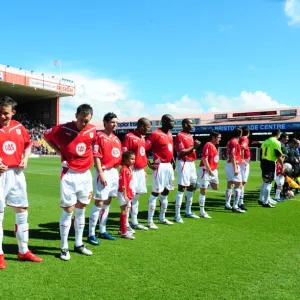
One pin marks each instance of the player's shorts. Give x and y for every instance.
(122, 200)
(245, 169)
(75, 186)
(280, 180)
(139, 181)
(205, 179)
(163, 177)
(268, 169)
(13, 188)
(111, 189)
(230, 173)
(187, 173)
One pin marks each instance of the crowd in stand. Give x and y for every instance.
(36, 130)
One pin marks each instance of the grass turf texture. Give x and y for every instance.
(232, 256)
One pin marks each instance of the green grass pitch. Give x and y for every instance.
(231, 256)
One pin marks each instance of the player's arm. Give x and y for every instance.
(25, 158)
(149, 144)
(49, 138)
(98, 166)
(185, 152)
(204, 159)
(3, 167)
(279, 156)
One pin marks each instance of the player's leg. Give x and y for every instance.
(157, 188)
(178, 203)
(140, 187)
(229, 175)
(167, 178)
(125, 234)
(237, 179)
(113, 185)
(84, 184)
(190, 176)
(268, 172)
(245, 174)
(100, 195)
(17, 198)
(2, 261)
(279, 184)
(181, 167)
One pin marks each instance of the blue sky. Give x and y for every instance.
(151, 57)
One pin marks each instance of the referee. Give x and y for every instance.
(271, 152)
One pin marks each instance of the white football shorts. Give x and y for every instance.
(139, 181)
(111, 189)
(187, 173)
(205, 179)
(122, 200)
(75, 186)
(245, 169)
(163, 177)
(230, 173)
(280, 180)
(13, 188)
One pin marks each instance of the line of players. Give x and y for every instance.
(80, 147)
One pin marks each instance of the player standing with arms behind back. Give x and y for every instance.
(245, 163)
(74, 141)
(135, 142)
(208, 171)
(107, 158)
(161, 143)
(233, 172)
(187, 175)
(14, 143)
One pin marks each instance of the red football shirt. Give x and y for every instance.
(244, 143)
(184, 141)
(133, 141)
(162, 146)
(108, 149)
(233, 148)
(210, 152)
(14, 139)
(75, 146)
(125, 180)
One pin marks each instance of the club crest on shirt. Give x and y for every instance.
(18, 131)
(216, 159)
(170, 147)
(81, 148)
(91, 135)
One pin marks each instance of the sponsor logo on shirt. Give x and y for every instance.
(115, 152)
(9, 147)
(81, 148)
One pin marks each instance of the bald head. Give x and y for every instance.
(167, 122)
(143, 126)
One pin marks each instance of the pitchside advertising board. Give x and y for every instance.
(1, 76)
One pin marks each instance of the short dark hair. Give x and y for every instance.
(246, 130)
(109, 116)
(142, 122)
(214, 133)
(126, 155)
(7, 101)
(237, 132)
(284, 135)
(276, 132)
(85, 109)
